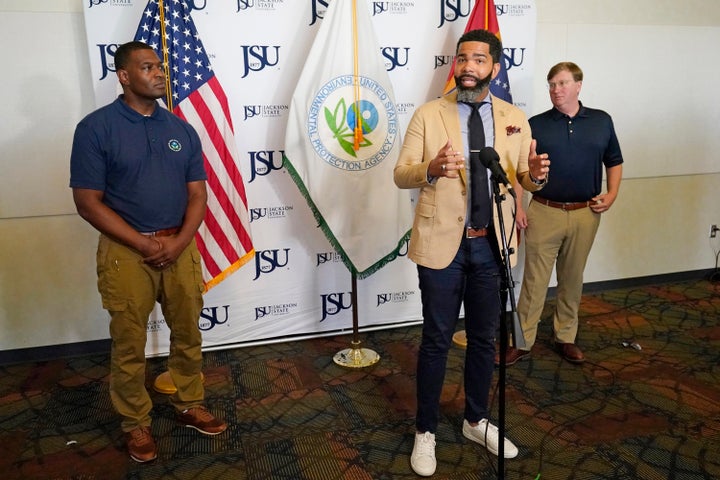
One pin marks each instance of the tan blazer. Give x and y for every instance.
(441, 211)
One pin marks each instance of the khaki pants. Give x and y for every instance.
(129, 289)
(566, 236)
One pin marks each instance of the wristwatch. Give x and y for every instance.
(539, 182)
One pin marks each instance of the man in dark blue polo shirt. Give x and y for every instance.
(564, 217)
(137, 176)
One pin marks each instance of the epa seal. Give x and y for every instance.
(336, 110)
(174, 145)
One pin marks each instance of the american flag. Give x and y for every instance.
(224, 237)
(484, 16)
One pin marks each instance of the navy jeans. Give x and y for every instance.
(472, 279)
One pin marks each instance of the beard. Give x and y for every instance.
(465, 94)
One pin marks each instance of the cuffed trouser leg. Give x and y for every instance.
(128, 294)
(472, 277)
(482, 316)
(572, 258)
(129, 289)
(441, 292)
(181, 301)
(544, 237)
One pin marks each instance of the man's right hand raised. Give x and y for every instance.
(447, 162)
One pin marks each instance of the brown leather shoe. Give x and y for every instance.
(140, 444)
(512, 356)
(570, 352)
(201, 420)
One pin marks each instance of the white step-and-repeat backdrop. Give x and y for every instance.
(297, 286)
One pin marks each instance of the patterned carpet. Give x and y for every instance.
(649, 411)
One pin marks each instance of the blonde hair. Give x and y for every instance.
(574, 70)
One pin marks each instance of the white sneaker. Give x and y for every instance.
(487, 431)
(422, 459)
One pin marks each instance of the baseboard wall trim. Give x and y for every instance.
(69, 350)
(595, 287)
(53, 352)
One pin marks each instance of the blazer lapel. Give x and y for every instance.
(451, 123)
(499, 123)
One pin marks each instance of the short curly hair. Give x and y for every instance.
(484, 36)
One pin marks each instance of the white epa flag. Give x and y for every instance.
(343, 140)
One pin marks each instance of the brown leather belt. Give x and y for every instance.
(475, 232)
(165, 232)
(567, 206)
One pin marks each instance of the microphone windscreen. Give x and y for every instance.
(488, 155)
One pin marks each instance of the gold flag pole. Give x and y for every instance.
(163, 383)
(358, 133)
(356, 356)
(166, 60)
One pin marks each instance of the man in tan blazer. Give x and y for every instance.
(459, 263)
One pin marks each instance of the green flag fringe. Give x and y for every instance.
(331, 237)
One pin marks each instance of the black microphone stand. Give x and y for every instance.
(506, 290)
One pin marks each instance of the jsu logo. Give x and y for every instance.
(264, 110)
(269, 212)
(392, 7)
(395, 57)
(210, 317)
(96, 2)
(107, 58)
(257, 214)
(451, 10)
(267, 261)
(257, 57)
(514, 57)
(501, 9)
(334, 303)
(262, 162)
(394, 297)
(316, 14)
(325, 257)
(252, 110)
(379, 7)
(278, 309)
(260, 312)
(244, 4)
(442, 60)
(383, 298)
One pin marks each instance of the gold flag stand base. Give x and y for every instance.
(460, 338)
(356, 357)
(164, 384)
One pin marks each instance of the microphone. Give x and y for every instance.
(491, 160)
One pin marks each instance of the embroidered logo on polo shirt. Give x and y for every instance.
(174, 145)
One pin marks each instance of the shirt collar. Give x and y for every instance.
(485, 101)
(133, 115)
(558, 115)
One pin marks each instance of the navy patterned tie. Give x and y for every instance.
(480, 209)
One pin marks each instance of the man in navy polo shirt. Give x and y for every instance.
(137, 176)
(564, 217)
